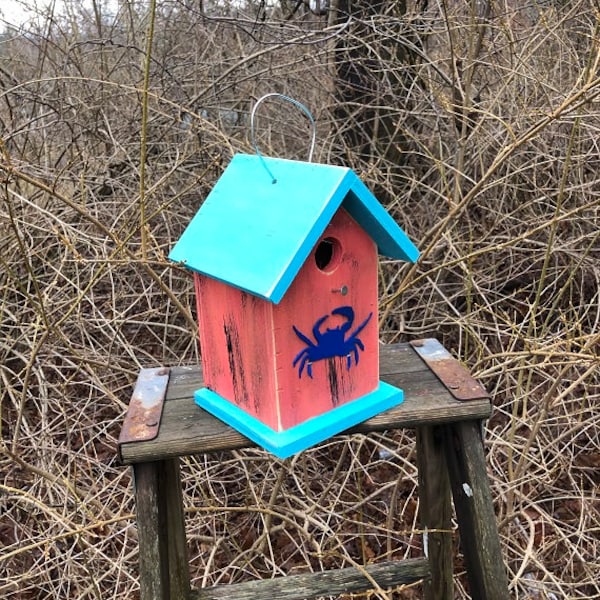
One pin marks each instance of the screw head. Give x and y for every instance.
(343, 290)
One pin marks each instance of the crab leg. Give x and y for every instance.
(302, 336)
(361, 327)
(348, 313)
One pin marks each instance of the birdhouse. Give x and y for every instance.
(285, 261)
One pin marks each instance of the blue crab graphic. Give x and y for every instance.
(331, 342)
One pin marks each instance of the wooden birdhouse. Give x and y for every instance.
(284, 255)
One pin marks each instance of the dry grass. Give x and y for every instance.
(498, 185)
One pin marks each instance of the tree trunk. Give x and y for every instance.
(375, 63)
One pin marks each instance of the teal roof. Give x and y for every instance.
(255, 234)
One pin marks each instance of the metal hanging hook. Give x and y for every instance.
(297, 105)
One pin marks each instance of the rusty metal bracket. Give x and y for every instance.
(458, 381)
(145, 408)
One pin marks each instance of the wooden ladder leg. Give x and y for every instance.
(164, 573)
(479, 537)
(172, 505)
(153, 566)
(435, 511)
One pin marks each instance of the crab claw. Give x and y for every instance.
(348, 313)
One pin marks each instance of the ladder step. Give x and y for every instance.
(326, 583)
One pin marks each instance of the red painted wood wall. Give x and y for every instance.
(248, 344)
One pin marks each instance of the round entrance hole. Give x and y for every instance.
(328, 254)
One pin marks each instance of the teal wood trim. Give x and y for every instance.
(366, 210)
(255, 235)
(285, 443)
(309, 241)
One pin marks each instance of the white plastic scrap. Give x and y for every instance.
(385, 454)
(467, 490)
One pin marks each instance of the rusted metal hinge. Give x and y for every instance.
(457, 380)
(145, 408)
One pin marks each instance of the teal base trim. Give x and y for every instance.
(313, 431)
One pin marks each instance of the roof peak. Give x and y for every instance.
(255, 234)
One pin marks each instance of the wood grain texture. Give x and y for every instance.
(327, 583)
(435, 511)
(332, 383)
(475, 512)
(236, 327)
(186, 429)
(449, 453)
(154, 576)
(171, 506)
(163, 556)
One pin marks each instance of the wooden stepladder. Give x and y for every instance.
(442, 402)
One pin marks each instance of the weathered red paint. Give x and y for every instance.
(248, 344)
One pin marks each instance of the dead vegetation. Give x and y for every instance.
(489, 158)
